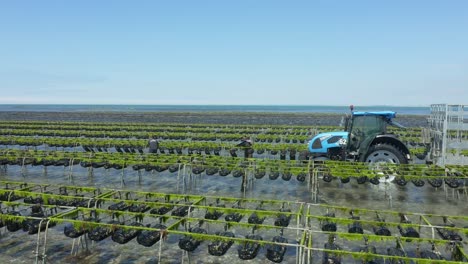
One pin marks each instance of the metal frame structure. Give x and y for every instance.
(448, 129)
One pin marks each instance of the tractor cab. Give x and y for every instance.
(365, 126)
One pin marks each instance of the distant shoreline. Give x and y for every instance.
(235, 118)
(260, 109)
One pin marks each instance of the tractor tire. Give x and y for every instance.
(385, 153)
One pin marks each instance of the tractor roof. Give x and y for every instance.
(386, 114)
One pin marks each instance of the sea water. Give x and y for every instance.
(403, 110)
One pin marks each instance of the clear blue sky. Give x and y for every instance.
(234, 52)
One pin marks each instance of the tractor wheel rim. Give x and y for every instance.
(382, 156)
(378, 159)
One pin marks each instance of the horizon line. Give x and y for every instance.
(131, 104)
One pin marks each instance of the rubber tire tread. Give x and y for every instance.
(390, 148)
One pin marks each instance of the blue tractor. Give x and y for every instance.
(365, 139)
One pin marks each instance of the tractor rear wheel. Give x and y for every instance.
(381, 154)
(385, 153)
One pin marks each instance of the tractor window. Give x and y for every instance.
(365, 127)
(368, 125)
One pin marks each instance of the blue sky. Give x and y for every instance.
(234, 52)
